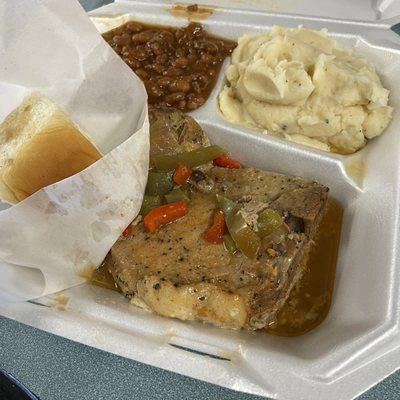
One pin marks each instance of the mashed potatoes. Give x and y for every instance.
(296, 83)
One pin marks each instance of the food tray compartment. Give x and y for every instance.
(335, 359)
(379, 46)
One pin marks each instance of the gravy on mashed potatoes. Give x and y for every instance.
(297, 84)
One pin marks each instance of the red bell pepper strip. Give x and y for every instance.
(215, 234)
(164, 215)
(182, 174)
(226, 162)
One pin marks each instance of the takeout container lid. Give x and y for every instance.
(357, 10)
(359, 342)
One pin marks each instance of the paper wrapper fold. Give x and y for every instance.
(50, 238)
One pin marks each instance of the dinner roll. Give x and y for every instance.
(39, 146)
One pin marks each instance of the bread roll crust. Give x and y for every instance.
(39, 146)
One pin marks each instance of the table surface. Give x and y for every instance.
(55, 368)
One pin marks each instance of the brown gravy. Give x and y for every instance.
(102, 277)
(310, 301)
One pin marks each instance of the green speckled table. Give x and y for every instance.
(59, 369)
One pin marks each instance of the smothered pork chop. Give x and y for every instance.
(238, 242)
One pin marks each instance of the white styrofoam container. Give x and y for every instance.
(359, 342)
(359, 10)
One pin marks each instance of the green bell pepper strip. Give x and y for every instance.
(159, 183)
(177, 194)
(229, 244)
(200, 156)
(268, 221)
(150, 203)
(246, 240)
(227, 206)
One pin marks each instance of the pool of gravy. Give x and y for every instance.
(310, 301)
(102, 277)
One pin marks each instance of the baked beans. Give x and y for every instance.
(178, 66)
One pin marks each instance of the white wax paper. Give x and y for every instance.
(50, 238)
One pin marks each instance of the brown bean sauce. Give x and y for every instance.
(191, 12)
(178, 66)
